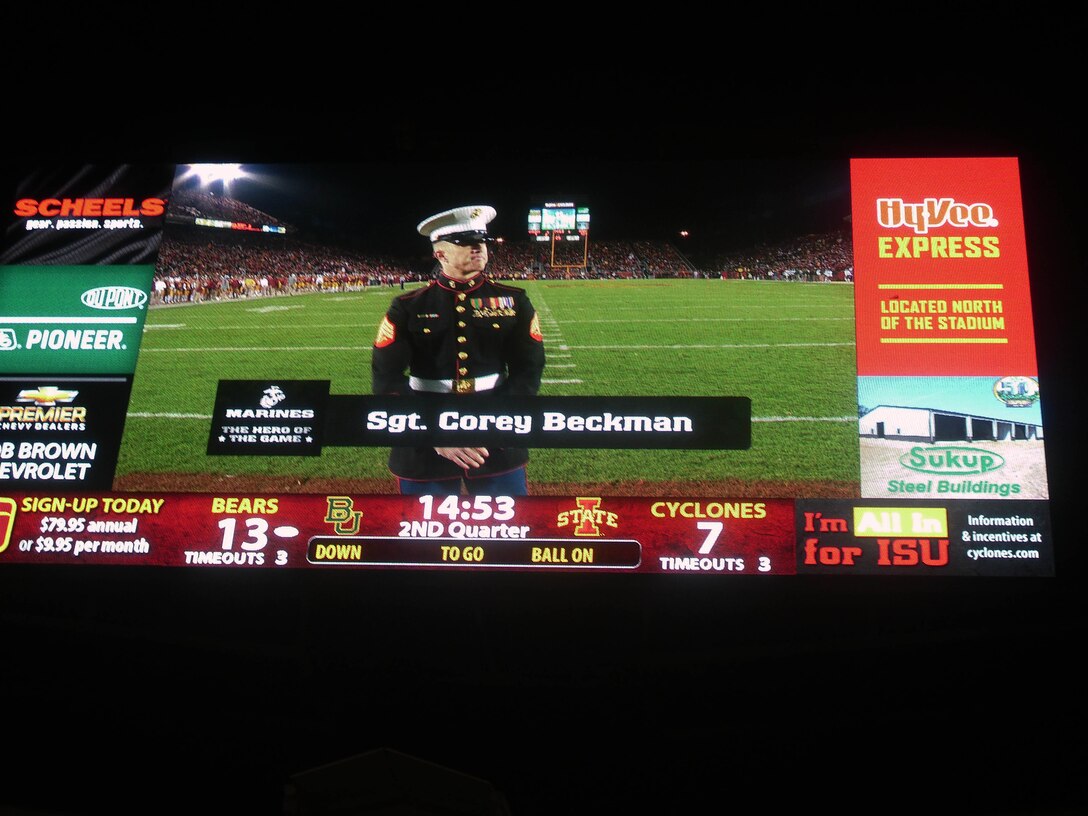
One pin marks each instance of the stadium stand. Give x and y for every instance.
(808, 258)
(200, 263)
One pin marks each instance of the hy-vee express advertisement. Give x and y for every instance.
(758, 369)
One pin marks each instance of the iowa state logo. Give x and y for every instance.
(587, 517)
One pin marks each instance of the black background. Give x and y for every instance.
(717, 423)
(201, 690)
(102, 427)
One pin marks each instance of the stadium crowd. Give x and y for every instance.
(198, 263)
(605, 259)
(194, 268)
(200, 204)
(197, 266)
(827, 257)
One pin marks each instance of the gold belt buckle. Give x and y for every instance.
(464, 386)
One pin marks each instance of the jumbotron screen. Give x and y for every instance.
(557, 219)
(761, 368)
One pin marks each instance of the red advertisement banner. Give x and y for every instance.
(941, 279)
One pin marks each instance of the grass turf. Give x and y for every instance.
(787, 346)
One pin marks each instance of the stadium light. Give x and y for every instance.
(210, 173)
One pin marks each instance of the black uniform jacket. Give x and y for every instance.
(461, 337)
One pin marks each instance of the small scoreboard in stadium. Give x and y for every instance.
(559, 221)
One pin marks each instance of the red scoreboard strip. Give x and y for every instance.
(383, 532)
(572, 534)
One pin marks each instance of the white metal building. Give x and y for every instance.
(933, 425)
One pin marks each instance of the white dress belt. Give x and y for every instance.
(486, 383)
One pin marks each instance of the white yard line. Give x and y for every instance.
(805, 419)
(148, 415)
(253, 348)
(306, 327)
(554, 335)
(713, 346)
(68, 320)
(642, 320)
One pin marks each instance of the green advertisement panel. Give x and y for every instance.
(72, 319)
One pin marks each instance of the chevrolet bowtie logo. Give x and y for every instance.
(46, 395)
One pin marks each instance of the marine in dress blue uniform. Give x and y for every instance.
(463, 333)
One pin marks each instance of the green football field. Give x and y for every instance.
(787, 346)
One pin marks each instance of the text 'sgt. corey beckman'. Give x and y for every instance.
(461, 334)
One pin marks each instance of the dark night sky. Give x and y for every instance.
(141, 690)
(723, 204)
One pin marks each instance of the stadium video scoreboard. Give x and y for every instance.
(558, 221)
(153, 414)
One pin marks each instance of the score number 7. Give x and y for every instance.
(713, 530)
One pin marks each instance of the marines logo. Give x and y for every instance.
(273, 395)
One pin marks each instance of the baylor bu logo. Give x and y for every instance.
(587, 517)
(342, 515)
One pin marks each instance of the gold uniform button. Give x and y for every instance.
(462, 371)
(460, 324)
(460, 308)
(461, 296)
(426, 331)
(494, 325)
(462, 355)
(462, 339)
